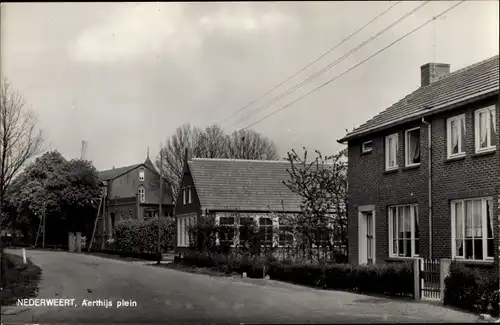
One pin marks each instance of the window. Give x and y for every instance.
(142, 194)
(403, 231)
(412, 147)
(186, 195)
(391, 152)
(366, 147)
(141, 174)
(472, 229)
(455, 132)
(266, 231)
(184, 225)
(485, 129)
(285, 232)
(130, 214)
(227, 230)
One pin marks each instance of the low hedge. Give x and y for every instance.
(253, 266)
(388, 279)
(470, 289)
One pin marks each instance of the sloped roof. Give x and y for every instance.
(244, 185)
(479, 79)
(110, 174)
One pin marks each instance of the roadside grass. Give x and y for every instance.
(18, 280)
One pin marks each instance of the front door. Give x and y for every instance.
(366, 249)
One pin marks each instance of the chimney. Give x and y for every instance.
(113, 167)
(432, 72)
(186, 155)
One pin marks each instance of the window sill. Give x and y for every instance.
(411, 167)
(484, 153)
(366, 153)
(390, 171)
(474, 262)
(455, 158)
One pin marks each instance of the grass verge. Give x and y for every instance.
(196, 270)
(18, 281)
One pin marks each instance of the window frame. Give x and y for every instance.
(492, 142)
(395, 136)
(461, 146)
(265, 241)
(365, 150)
(484, 229)
(141, 174)
(142, 196)
(407, 147)
(413, 208)
(182, 230)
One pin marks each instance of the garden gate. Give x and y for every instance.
(430, 281)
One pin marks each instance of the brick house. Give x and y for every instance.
(424, 174)
(232, 189)
(132, 193)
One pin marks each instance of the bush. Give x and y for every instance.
(142, 235)
(472, 290)
(234, 263)
(390, 279)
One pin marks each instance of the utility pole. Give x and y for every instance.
(82, 154)
(161, 203)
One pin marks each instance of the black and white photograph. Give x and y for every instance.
(265, 162)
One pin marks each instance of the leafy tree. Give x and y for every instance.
(322, 184)
(63, 191)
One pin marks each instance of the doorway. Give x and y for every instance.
(366, 233)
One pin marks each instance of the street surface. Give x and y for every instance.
(169, 296)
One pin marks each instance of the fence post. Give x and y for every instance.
(78, 242)
(71, 242)
(443, 273)
(416, 278)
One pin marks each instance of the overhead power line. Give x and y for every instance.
(353, 67)
(329, 66)
(312, 62)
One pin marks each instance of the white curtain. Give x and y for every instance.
(478, 219)
(468, 219)
(482, 129)
(493, 126)
(454, 137)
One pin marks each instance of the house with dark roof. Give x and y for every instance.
(233, 189)
(132, 192)
(424, 174)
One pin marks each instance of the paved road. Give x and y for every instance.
(169, 296)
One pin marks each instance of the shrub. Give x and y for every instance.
(142, 235)
(472, 290)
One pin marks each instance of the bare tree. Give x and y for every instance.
(212, 143)
(248, 144)
(322, 184)
(185, 137)
(20, 140)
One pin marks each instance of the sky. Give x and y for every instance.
(124, 76)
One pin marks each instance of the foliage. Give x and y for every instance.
(468, 288)
(142, 235)
(20, 141)
(211, 142)
(62, 190)
(322, 184)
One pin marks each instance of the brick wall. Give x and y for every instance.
(369, 184)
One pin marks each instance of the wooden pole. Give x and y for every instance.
(95, 224)
(44, 218)
(161, 203)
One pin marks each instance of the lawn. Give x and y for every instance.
(18, 280)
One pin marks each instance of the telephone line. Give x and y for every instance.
(311, 63)
(353, 67)
(329, 66)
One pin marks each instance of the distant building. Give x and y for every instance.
(132, 193)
